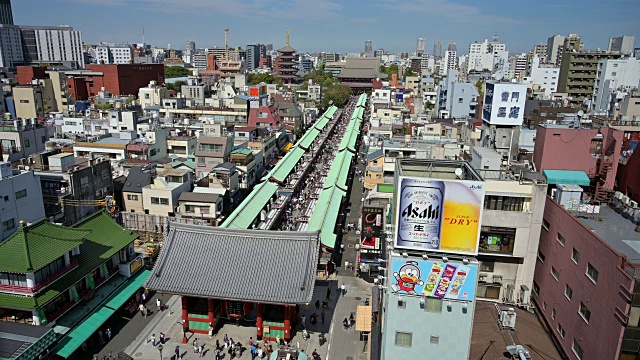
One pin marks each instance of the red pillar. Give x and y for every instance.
(212, 315)
(259, 321)
(287, 323)
(185, 316)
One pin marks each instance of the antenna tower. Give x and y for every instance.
(226, 44)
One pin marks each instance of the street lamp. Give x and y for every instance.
(160, 346)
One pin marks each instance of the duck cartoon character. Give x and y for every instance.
(407, 278)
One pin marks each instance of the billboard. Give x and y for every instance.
(372, 226)
(452, 281)
(504, 103)
(438, 215)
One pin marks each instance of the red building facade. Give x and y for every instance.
(25, 74)
(125, 79)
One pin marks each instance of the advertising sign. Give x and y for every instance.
(504, 103)
(453, 281)
(372, 226)
(254, 91)
(439, 215)
(135, 265)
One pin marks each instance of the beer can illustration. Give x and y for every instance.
(420, 213)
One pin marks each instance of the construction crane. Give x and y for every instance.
(108, 203)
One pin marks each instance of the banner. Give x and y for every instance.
(441, 280)
(92, 284)
(438, 215)
(372, 226)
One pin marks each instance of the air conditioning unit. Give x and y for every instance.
(633, 204)
(618, 195)
(625, 199)
(507, 318)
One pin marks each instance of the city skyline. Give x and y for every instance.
(265, 22)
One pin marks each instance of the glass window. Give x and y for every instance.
(584, 312)
(536, 288)
(8, 224)
(497, 239)
(575, 256)
(545, 224)
(541, 256)
(487, 265)
(504, 203)
(553, 313)
(164, 201)
(577, 350)
(433, 304)
(555, 273)
(20, 194)
(560, 330)
(568, 292)
(592, 273)
(155, 200)
(561, 239)
(403, 338)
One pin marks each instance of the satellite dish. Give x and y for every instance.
(458, 172)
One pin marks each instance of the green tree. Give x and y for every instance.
(105, 106)
(176, 86)
(176, 71)
(255, 79)
(407, 72)
(389, 70)
(339, 94)
(479, 87)
(321, 77)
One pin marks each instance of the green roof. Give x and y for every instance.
(250, 208)
(567, 177)
(385, 188)
(34, 246)
(325, 215)
(105, 239)
(242, 151)
(309, 137)
(284, 167)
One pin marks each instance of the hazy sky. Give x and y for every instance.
(334, 25)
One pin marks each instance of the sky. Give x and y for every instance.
(337, 25)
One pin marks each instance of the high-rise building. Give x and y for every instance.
(11, 53)
(52, 45)
(420, 47)
(452, 47)
(481, 55)
(540, 51)
(191, 46)
(554, 49)
(254, 53)
(368, 48)
(622, 44)
(6, 15)
(613, 75)
(451, 59)
(437, 49)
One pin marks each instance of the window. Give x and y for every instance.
(27, 143)
(541, 256)
(190, 208)
(487, 265)
(545, 224)
(577, 349)
(433, 304)
(164, 201)
(504, 203)
(497, 239)
(568, 292)
(434, 339)
(133, 197)
(155, 200)
(201, 161)
(584, 312)
(555, 273)
(24, 101)
(544, 305)
(553, 313)
(592, 273)
(575, 256)
(560, 330)
(536, 288)
(8, 224)
(614, 73)
(403, 338)
(561, 239)
(20, 194)
(460, 100)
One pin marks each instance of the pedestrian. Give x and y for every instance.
(145, 311)
(303, 321)
(159, 304)
(317, 304)
(210, 330)
(225, 340)
(200, 350)
(144, 297)
(195, 345)
(162, 338)
(345, 323)
(325, 304)
(153, 340)
(177, 352)
(141, 307)
(260, 353)
(322, 316)
(343, 287)
(100, 337)
(328, 293)
(108, 332)
(277, 340)
(352, 320)
(341, 247)
(253, 350)
(250, 341)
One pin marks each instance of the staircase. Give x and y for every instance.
(604, 164)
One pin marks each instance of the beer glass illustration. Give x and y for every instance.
(461, 217)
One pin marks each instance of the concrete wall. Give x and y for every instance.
(135, 204)
(29, 208)
(600, 338)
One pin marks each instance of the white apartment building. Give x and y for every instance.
(152, 95)
(481, 55)
(52, 44)
(114, 54)
(554, 49)
(614, 75)
(11, 53)
(450, 60)
(545, 76)
(161, 197)
(21, 198)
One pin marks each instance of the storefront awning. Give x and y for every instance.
(566, 177)
(70, 343)
(288, 147)
(363, 318)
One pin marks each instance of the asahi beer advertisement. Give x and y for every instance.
(439, 215)
(441, 280)
(372, 226)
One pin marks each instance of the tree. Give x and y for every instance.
(321, 77)
(176, 71)
(390, 70)
(176, 86)
(479, 87)
(255, 79)
(338, 93)
(407, 72)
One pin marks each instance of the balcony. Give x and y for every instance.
(41, 285)
(128, 268)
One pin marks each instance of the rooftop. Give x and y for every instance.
(616, 230)
(199, 197)
(489, 342)
(136, 180)
(442, 169)
(15, 338)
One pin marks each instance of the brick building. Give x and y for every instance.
(121, 79)
(26, 74)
